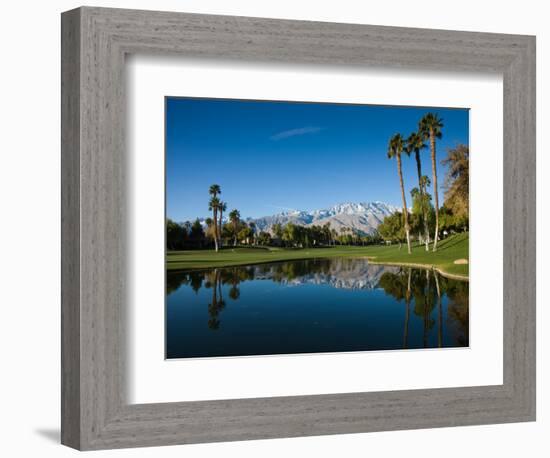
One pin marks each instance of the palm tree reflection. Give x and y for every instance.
(217, 304)
(427, 294)
(440, 313)
(407, 305)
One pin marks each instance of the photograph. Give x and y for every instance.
(306, 227)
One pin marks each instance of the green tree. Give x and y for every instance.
(277, 230)
(327, 234)
(245, 233)
(290, 234)
(457, 182)
(422, 215)
(197, 233)
(264, 238)
(235, 218)
(395, 148)
(176, 235)
(430, 127)
(415, 143)
(391, 229)
(333, 236)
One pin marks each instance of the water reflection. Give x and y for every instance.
(426, 289)
(313, 305)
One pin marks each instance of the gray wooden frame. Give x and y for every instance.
(95, 413)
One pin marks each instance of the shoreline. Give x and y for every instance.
(370, 259)
(420, 266)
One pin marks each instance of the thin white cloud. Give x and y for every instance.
(295, 132)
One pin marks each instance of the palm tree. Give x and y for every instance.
(395, 148)
(234, 217)
(221, 208)
(415, 143)
(430, 128)
(213, 207)
(214, 190)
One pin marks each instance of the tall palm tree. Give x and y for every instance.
(415, 143)
(234, 217)
(213, 207)
(395, 148)
(430, 127)
(221, 208)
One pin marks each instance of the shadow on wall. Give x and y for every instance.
(53, 435)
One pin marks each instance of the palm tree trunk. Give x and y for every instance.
(422, 193)
(405, 211)
(219, 234)
(215, 215)
(436, 197)
(426, 228)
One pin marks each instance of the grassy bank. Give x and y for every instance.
(455, 247)
(448, 250)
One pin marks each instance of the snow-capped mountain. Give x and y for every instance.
(363, 217)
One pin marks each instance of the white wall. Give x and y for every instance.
(29, 209)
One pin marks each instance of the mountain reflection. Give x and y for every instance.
(338, 273)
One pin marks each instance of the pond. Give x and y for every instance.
(311, 306)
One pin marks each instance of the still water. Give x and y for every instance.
(310, 306)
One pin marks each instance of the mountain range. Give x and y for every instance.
(362, 217)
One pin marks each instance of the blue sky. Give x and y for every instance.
(270, 157)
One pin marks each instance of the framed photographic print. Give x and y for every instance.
(327, 265)
(286, 228)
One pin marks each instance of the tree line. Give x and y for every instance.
(428, 218)
(217, 233)
(236, 232)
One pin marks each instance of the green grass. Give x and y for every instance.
(450, 249)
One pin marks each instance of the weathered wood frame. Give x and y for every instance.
(95, 414)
